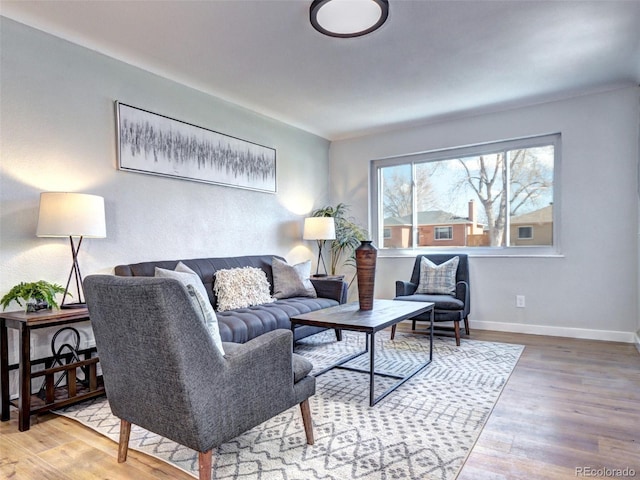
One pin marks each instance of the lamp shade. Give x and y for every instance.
(71, 215)
(348, 18)
(319, 228)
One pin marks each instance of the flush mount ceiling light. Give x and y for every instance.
(348, 18)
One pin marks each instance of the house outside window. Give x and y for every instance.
(476, 197)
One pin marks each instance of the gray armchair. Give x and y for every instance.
(447, 308)
(163, 372)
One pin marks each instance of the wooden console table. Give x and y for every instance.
(73, 392)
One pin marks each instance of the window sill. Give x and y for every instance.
(477, 252)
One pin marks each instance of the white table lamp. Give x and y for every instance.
(72, 215)
(319, 229)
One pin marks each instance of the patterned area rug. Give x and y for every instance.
(424, 430)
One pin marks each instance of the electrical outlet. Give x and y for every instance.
(520, 301)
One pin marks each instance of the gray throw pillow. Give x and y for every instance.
(198, 296)
(207, 315)
(292, 280)
(185, 275)
(438, 279)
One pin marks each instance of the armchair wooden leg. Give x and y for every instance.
(306, 420)
(338, 334)
(123, 445)
(393, 331)
(457, 332)
(466, 325)
(205, 463)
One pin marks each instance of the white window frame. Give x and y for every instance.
(461, 152)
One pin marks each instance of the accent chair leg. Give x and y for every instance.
(205, 463)
(338, 334)
(306, 420)
(456, 327)
(466, 325)
(393, 331)
(123, 445)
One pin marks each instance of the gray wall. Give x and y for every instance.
(58, 134)
(591, 290)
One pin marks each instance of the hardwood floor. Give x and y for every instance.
(569, 404)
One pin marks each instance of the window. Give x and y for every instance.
(489, 195)
(525, 233)
(443, 233)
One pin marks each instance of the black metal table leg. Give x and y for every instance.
(372, 369)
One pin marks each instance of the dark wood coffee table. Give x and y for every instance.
(385, 313)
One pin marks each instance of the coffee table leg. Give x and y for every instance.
(372, 396)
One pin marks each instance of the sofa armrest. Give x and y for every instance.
(334, 289)
(263, 364)
(405, 288)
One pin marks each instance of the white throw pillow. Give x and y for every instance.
(292, 280)
(438, 279)
(201, 302)
(241, 288)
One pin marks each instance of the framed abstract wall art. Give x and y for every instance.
(158, 145)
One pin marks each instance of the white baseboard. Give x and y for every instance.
(585, 333)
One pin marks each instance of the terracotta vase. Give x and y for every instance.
(366, 256)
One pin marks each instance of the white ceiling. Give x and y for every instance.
(432, 59)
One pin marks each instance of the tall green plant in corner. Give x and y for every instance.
(348, 236)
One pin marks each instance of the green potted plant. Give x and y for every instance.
(36, 295)
(348, 236)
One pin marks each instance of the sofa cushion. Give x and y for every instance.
(301, 367)
(241, 287)
(442, 302)
(292, 280)
(243, 324)
(438, 279)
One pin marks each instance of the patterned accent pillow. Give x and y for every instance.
(241, 288)
(438, 279)
(198, 296)
(292, 280)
